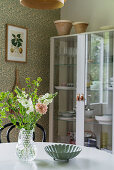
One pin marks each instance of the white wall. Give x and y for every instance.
(97, 12)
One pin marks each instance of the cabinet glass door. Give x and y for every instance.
(99, 91)
(65, 63)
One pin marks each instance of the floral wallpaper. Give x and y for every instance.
(40, 29)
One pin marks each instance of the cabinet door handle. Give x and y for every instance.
(82, 97)
(78, 97)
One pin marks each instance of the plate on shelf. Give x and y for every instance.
(105, 122)
(67, 118)
(64, 88)
(67, 114)
(110, 88)
(105, 119)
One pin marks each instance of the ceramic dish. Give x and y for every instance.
(104, 118)
(89, 113)
(105, 122)
(65, 88)
(62, 151)
(67, 113)
(67, 118)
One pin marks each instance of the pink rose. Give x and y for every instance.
(41, 108)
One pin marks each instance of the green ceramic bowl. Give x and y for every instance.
(62, 151)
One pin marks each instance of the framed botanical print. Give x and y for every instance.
(16, 44)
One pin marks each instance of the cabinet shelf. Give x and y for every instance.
(109, 89)
(67, 118)
(106, 89)
(65, 88)
(94, 122)
(69, 65)
(99, 63)
(92, 89)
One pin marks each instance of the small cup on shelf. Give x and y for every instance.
(80, 27)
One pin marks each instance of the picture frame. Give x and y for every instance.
(16, 43)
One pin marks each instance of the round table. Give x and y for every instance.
(88, 159)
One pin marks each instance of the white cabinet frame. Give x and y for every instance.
(51, 109)
(81, 77)
(81, 49)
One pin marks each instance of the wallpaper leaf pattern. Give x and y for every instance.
(40, 28)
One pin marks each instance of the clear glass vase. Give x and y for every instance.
(26, 149)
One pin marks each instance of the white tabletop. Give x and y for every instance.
(88, 159)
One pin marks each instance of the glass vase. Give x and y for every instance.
(26, 149)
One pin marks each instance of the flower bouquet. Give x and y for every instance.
(26, 108)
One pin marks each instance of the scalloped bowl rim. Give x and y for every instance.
(46, 147)
(64, 152)
(57, 154)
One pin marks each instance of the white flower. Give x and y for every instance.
(24, 95)
(30, 106)
(46, 99)
(46, 95)
(27, 103)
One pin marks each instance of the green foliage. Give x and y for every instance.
(15, 108)
(16, 40)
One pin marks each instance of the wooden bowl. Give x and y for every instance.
(80, 27)
(63, 27)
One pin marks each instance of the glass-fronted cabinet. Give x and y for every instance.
(81, 71)
(99, 91)
(64, 82)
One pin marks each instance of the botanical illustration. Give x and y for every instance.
(16, 43)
